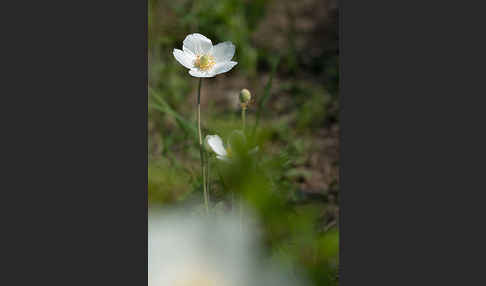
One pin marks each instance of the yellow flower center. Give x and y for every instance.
(204, 62)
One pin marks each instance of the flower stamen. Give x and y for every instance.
(204, 62)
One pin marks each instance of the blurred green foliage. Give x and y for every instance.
(295, 97)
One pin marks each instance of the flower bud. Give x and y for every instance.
(245, 96)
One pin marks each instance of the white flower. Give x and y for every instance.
(202, 58)
(215, 144)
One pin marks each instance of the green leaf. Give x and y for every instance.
(162, 106)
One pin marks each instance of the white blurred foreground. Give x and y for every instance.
(199, 250)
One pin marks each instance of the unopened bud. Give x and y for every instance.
(245, 96)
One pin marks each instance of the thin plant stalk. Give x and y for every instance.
(243, 120)
(243, 117)
(201, 151)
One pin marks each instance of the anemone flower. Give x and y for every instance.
(215, 144)
(202, 58)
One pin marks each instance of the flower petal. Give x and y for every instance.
(216, 144)
(197, 44)
(184, 58)
(223, 67)
(199, 73)
(223, 52)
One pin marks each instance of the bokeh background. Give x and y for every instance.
(288, 57)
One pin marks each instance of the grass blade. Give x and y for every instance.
(266, 93)
(162, 106)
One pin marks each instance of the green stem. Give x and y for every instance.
(243, 120)
(243, 117)
(201, 152)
